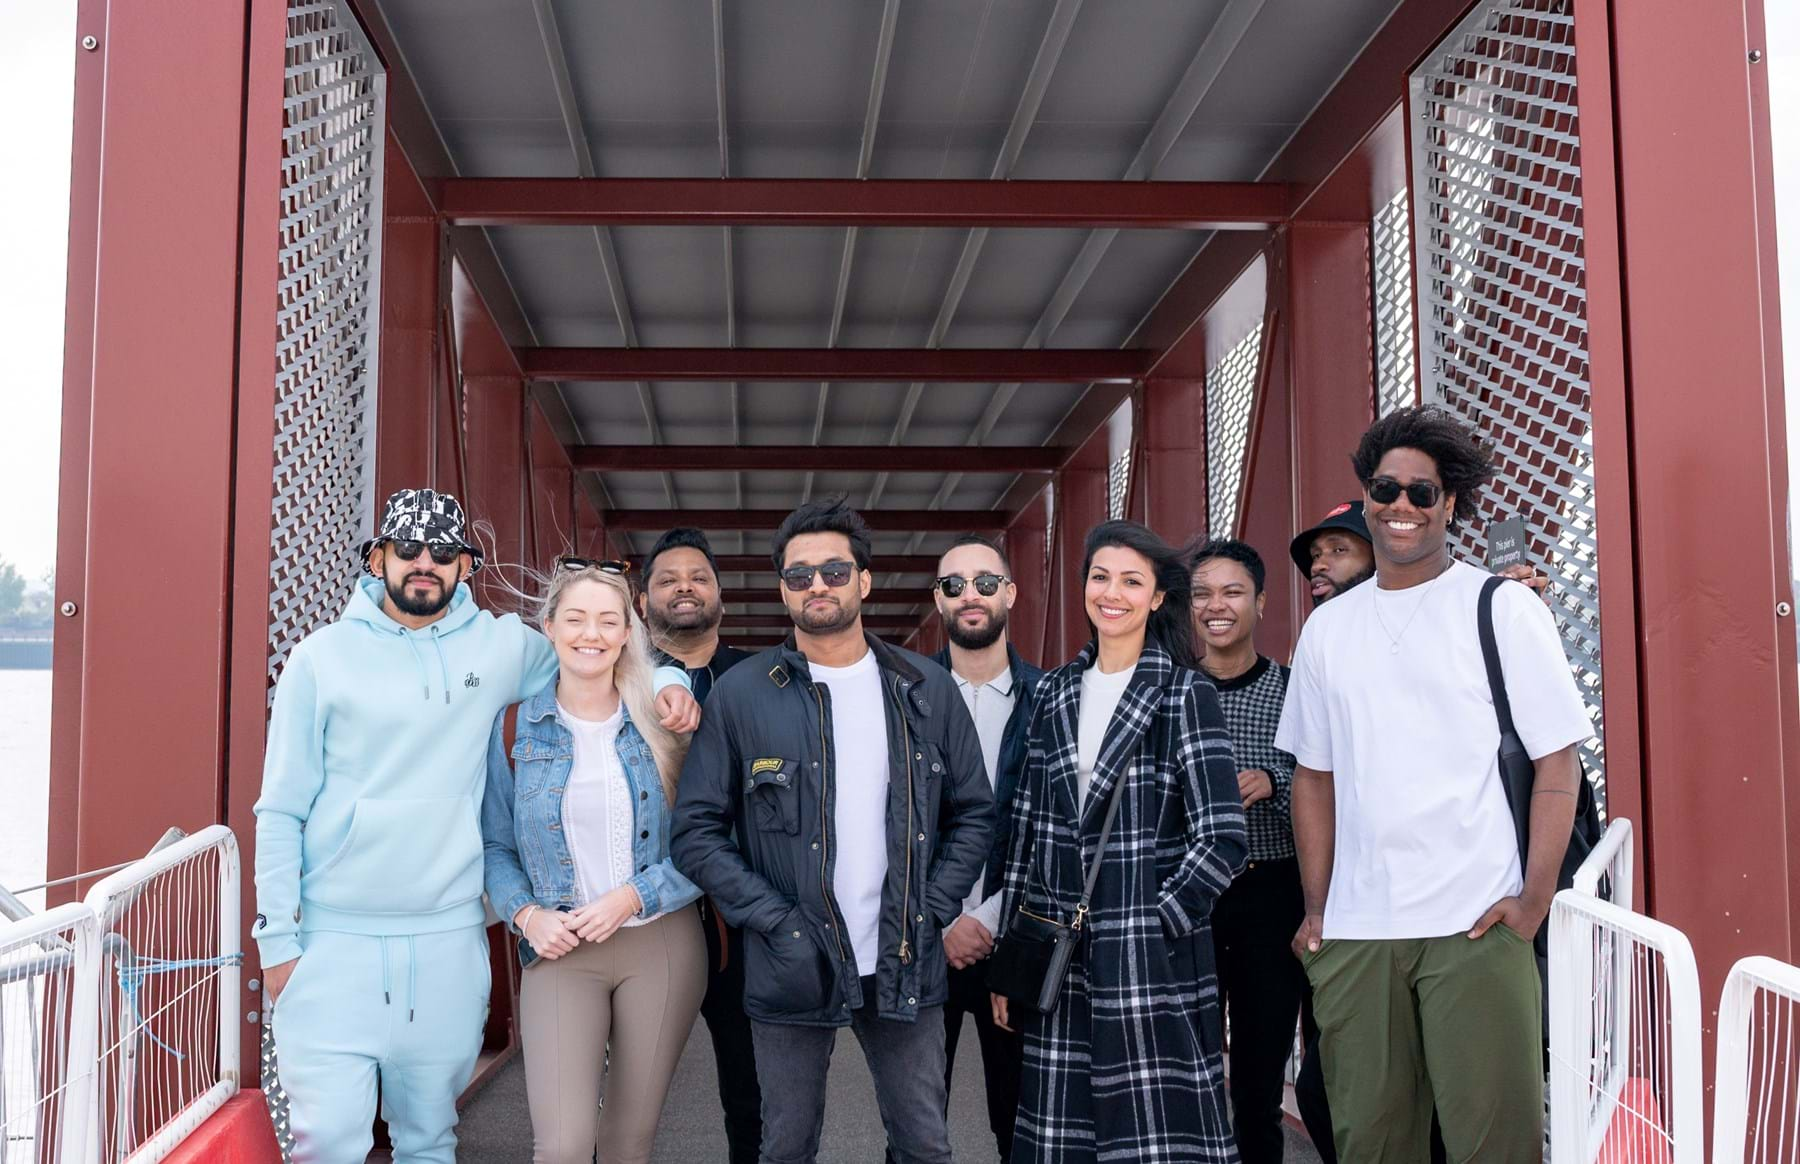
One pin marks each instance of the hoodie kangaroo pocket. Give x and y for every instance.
(402, 857)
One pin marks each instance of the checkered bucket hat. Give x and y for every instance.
(423, 515)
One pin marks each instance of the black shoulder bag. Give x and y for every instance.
(1517, 772)
(1032, 957)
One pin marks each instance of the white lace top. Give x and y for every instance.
(597, 815)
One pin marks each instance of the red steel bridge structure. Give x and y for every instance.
(605, 268)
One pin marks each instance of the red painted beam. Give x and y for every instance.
(760, 563)
(906, 520)
(808, 458)
(852, 202)
(1346, 125)
(954, 365)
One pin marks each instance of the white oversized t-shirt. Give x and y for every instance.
(860, 789)
(1425, 840)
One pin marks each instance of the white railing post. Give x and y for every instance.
(141, 911)
(1776, 1132)
(1603, 1083)
(230, 974)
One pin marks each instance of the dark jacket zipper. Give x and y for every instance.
(906, 885)
(831, 912)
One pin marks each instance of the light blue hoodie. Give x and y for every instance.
(368, 821)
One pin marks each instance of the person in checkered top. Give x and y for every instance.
(1259, 978)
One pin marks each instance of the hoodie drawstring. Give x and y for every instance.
(412, 976)
(419, 662)
(443, 667)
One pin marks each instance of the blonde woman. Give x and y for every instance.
(575, 823)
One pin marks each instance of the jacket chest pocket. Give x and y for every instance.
(772, 792)
(535, 768)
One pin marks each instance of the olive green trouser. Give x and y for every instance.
(1408, 1022)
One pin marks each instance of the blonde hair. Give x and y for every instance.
(633, 674)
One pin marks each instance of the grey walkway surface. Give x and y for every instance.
(497, 1128)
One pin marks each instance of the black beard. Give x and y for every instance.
(664, 623)
(419, 607)
(826, 621)
(979, 639)
(1350, 585)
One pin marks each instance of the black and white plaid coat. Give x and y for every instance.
(1128, 1066)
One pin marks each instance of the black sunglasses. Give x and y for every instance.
(986, 585)
(799, 578)
(1386, 491)
(604, 565)
(409, 551)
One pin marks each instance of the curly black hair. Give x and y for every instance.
(1465, 462)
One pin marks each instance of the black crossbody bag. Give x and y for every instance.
(1518, 773)
(1032, 957)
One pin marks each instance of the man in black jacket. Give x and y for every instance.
(682, 604)
(974, 592)
(834, 805)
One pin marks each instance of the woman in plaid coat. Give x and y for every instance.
(1127, 1067)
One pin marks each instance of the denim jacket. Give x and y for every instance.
(526, 855)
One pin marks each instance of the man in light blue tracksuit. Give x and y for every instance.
(368, 845)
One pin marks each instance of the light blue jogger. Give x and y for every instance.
(408, 1010)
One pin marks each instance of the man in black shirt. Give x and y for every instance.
(682, 606)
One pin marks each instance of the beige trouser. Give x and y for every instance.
(639, 990)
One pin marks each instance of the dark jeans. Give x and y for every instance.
(733, 1052)
(1002, 1052)
(906, 1060)
(1262, 983)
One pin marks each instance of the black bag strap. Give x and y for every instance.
(1093, 872)
(1490, 654)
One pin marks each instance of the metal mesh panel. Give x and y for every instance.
(1118, 483)
(326, 326)
(1502, 306)
(1396, 385)
(1230, 393)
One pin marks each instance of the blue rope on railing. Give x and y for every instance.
(131, 980)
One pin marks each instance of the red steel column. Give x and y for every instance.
(150, 396)
(1331, 361)
(1025, 550)
(1267, 520)
(494, 398)
(411, 278)
(1173, 448)
(1708, 470)
(1080, 506)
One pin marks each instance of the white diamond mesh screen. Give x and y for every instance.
(1118, 484)
(1502, 306)
(1395, 384)
(1230, 395)
(326, 324)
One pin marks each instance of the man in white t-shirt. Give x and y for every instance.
(835, 806)
(1419, 919)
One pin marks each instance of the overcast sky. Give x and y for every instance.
(37, 57)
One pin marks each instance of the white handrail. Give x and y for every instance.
(1598, 951)
(1612, 861)
(112, 901)
(1749, 978)
(63, 939)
